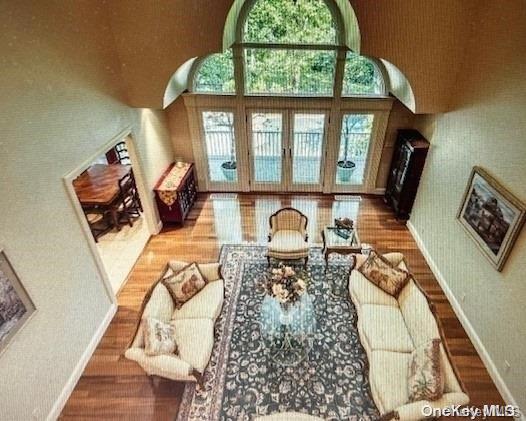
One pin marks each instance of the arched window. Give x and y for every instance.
(289, 48)
(215, 74)
(290, 22)
(362, 77)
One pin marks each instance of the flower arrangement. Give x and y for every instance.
(285, 284)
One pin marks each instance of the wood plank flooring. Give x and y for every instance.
(113, 388)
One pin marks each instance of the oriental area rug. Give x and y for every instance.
(243, 381)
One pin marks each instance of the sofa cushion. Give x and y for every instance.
(382, 273)
(206, 304)
(418, 317)
(159, 337)
(368, 293)
(210, 271)
(184, 284)
(425, 380)
(160, 306)
(384, 329)
(284, 241)
(195, 339)
(388, 377)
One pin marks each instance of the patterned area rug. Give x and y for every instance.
(242, 381)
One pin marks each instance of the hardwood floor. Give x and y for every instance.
(112, 387)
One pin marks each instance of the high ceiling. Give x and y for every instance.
(425, 40)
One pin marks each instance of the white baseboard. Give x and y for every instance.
(472, 334)
(379, 191)
(81, 365)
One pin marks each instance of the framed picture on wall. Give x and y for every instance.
(15, 305)
(491, 215)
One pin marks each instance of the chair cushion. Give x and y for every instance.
(184, 284)
(425, 380)
(159, 337)
(384, 329)
(418, 317)
(368, 293)
(388, 377)
(195, 339)
(206, 304)
(386, 276)
(284, 241)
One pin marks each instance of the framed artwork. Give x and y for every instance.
(491, 215)
(15, 305)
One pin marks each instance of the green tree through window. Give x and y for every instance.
(290, 22)
(270, 69)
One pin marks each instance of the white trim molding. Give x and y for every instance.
(466, 324)
(81, 365)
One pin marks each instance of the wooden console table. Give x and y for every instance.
(175, 192)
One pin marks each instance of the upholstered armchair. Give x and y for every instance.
(288, 236)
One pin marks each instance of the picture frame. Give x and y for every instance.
(16, 306)
(491, 215)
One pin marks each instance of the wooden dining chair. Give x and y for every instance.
(128, 206)
(99, 221)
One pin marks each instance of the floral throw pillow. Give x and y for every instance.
(425, 378)
(159, 337)
(184, 284)
(380, 272)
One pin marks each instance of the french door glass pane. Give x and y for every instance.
(354, 148)
(220, 146)
(267, 139)
(308, 146)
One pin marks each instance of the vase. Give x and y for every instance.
(285, 317)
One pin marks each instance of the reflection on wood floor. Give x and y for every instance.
(115, 388)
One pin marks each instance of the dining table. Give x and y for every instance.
(98, 187)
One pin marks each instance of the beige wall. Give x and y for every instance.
(488, 129)
(61, 101)
(180, 130)
(424, 39)
(400, 118)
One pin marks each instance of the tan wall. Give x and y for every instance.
(400, 118)
(424, 39)
(487, 129)
(180, 130)
(62, 100)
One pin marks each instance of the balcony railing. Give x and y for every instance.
(267, 154)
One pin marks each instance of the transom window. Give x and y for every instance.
(289, 48)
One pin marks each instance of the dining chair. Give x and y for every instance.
(128, 206)
(99, 222)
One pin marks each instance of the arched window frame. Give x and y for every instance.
(240, 46)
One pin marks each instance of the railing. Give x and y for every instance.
(269, 143)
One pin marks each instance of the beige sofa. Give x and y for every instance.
(389, 330)
(194, 326)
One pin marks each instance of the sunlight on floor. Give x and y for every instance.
(119, 251)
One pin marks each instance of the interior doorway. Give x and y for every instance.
(106, 192)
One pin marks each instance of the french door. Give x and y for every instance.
(286, 149)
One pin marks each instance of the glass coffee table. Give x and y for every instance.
(334, 243)
(288, 332)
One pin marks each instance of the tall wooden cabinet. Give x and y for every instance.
(407, 165)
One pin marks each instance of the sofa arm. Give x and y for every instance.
(169, 366)
(415, 410)
(211, 271)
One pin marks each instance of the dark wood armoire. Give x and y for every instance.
(407, 165)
